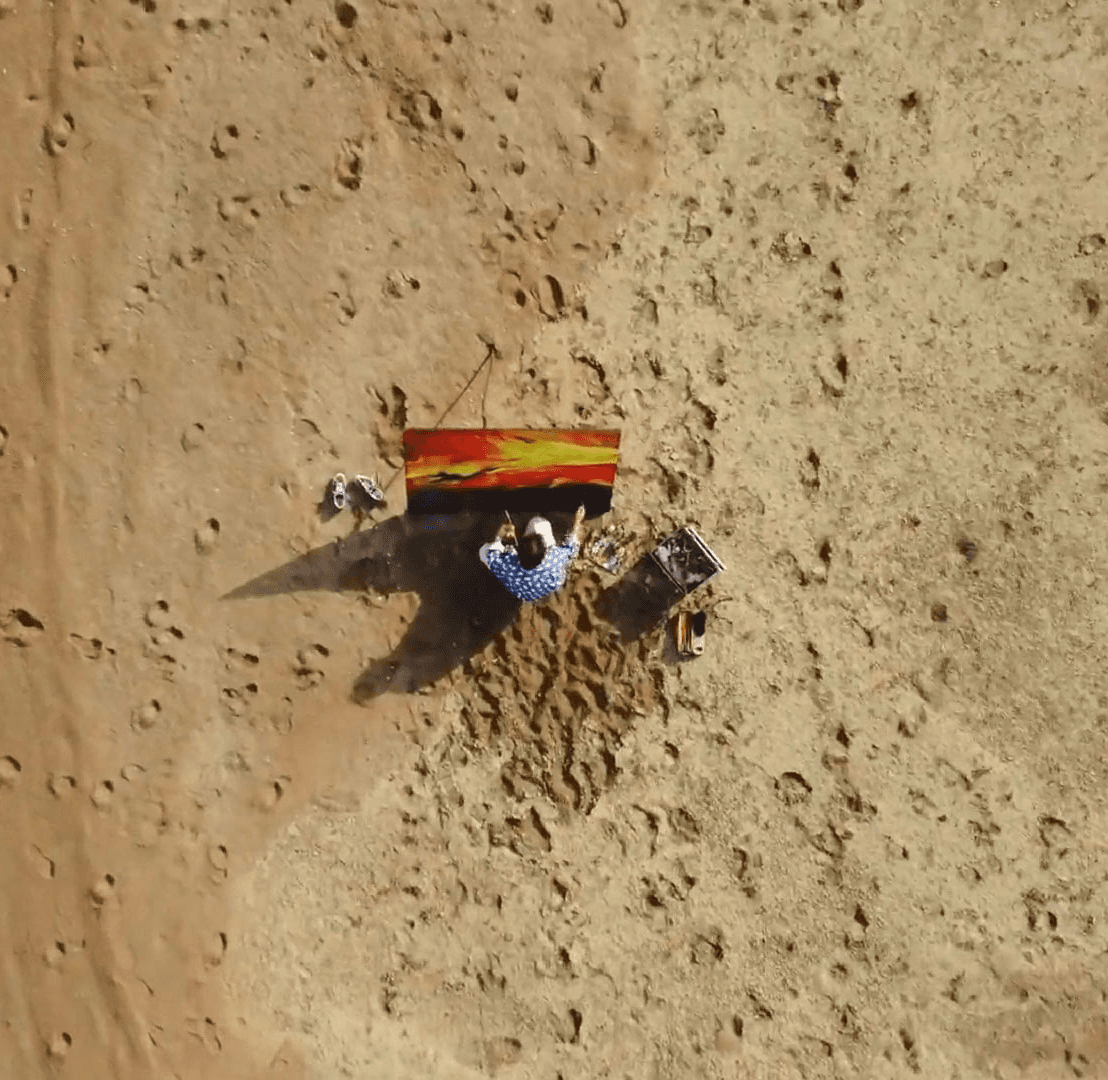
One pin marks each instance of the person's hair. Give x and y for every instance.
(531, 551)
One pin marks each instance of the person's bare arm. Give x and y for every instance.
(505, 535)
(578, 525)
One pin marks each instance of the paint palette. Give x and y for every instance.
(687, 560)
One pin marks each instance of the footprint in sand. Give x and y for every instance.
(90, 648)
(23, 203)
(239, 210)
(57, 134)
(206, 537)
(9, 771)
(214, 949)
(103, 889)
(308, 673)
(201, 24)
(239, 659)
(236, 700)
(88, 54)
(55, 955)
(224, 140)
(192, 438)
(552, 300)
(347, 14)
(59, 1045)
(163, 636)
(281, 718)
(131, 391)
(60, 785)
(396, 284)
(349, 164)
(218, 860)
(296, 195)
(20, 627)
(103, 794)
(44, 865)
(307, 429)
(156, 615)
(272, 793)
(209, 1035)
(163, 633)
(146, 715)
(343, 299)
(147, 821)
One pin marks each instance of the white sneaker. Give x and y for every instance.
(367, 492)
(336, 491)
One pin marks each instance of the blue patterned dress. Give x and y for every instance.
(530, 585)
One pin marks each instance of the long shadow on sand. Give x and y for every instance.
(462, 606)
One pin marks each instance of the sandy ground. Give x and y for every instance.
(839, 274)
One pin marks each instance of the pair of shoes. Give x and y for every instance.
(688, 633)
(365, 493)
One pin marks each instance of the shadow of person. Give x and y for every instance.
(462, 606)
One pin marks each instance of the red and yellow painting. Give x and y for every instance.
(457, 468)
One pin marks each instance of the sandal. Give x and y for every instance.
(688, 634)
(336, 491)
(697, 625)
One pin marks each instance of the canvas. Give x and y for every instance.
(450, 470)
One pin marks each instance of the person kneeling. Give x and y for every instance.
(536, 566)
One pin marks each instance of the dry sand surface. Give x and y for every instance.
(839, 273)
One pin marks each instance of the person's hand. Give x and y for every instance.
(578, 522)
(507, 533)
